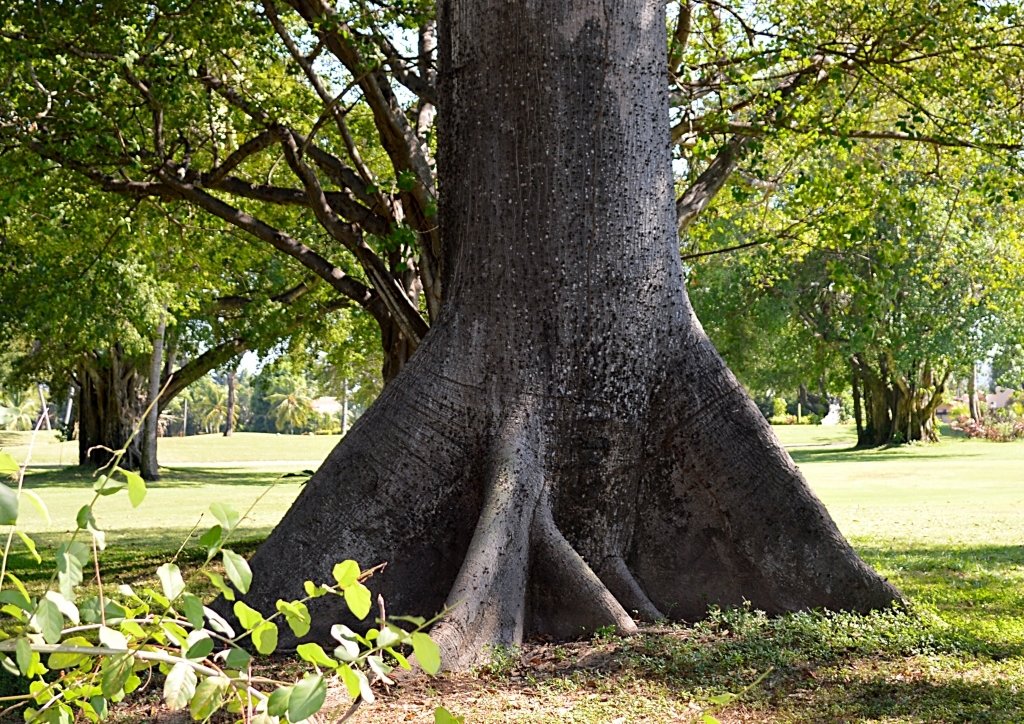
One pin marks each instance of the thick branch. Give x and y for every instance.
(339, 280)
(755, 130)
(700, 193)
(398, 303)
(209, 360)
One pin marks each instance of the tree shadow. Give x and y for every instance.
(866, 455)
(171, 477)
(880, 697)
(132, 555)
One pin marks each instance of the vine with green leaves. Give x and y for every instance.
(109, 643)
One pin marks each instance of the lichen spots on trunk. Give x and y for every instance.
(565, 450)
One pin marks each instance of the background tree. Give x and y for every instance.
(907, 279)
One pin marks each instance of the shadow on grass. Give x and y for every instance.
(882, 698)
(954, 654)
(76, 477)
(868, 455)
(130, 555)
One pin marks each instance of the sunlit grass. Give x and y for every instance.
(944, 522)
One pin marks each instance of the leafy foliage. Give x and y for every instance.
(103, 645)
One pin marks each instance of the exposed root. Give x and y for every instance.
(624, 586)
(567, 597)
(488, 598)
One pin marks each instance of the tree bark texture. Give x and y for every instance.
(566, 449)
(111, 403)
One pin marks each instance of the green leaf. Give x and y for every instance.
(277, 705)
(49, 620)
(192, 607)
(218, 582)
(23, 653)
(402, 661)
(116, 671)
(249, 617)
(427, 652)
(389, 636)
(346, 573)
(227, 516)
(237, 659)
(8, 466)
(179, 686)
(307, 697)
(31, 545)
(85, 517)
(723, 699)
(59, 661)
(357, 596)
(112, 639)
(313, 590)
(264, 637)
(99, 706)
(297, 616)
(8, 505)
(315, 655)
(16, 598)
(105, 485)
(211, 540)
(71, 559)
(237, 569)
(708, 719)
(170, 580)
(200, 649)
(38, 503)
(349, 678)
(208, 697)
(443, 716)
(65, 606)
(136, 487)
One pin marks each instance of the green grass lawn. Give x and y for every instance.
(944, 522)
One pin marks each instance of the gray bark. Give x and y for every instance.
(566, 450)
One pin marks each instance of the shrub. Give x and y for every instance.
(999, 426)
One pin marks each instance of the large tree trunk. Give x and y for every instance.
(566, 450)
(110, 405)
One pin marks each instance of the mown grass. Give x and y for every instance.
(945, 523)
(191, 450)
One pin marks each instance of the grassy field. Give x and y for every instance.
(944, 522)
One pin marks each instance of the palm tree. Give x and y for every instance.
(209, 403)
(19, 410)
(291, 408)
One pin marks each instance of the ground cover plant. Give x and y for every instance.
(943, 522)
